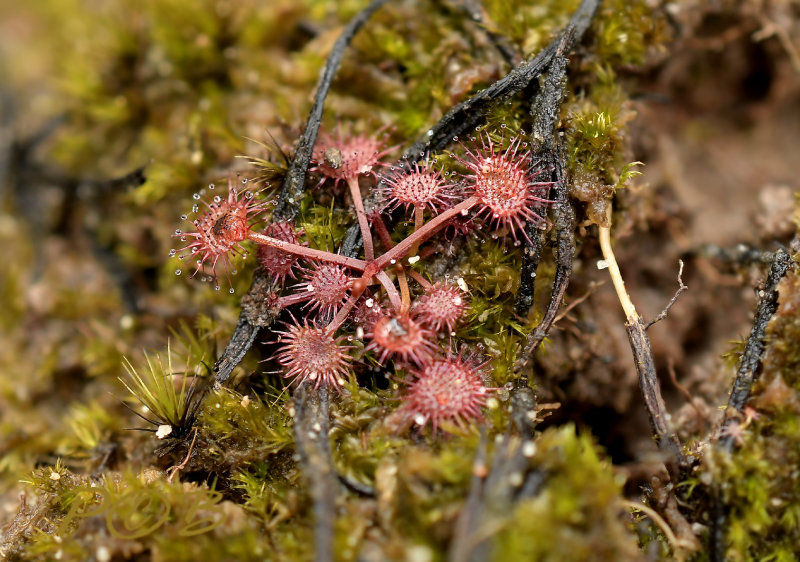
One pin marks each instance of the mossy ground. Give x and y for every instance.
(95, 90)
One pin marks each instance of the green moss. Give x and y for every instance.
(137, 513)
(529, 25)
(325, 226)
(625, 32)
(578, 514)
(428, 490)
(240, 430)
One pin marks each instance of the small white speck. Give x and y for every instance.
(413, 259)
(529, 449)
(602, 264)
(55, 476)
(163, 431)
(102, 554)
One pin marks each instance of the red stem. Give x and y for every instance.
(418, 237)
(309, 253)
(295, 298)
(363, 223)
(383, 233)
(391, 291)
(419, 279)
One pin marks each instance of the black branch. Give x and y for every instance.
(311, 437)
(747, 374)
(294, 184)
(546, 109)
(750, 366)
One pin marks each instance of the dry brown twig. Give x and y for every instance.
(643, 359)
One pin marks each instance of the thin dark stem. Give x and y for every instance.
(311, 437)
(492, 498)
(295, 182)
(673, 300)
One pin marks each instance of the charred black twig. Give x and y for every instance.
(673, 300)
(745, 377)
(665, 436)
(741, 254)
(311, 436)
(564, 220)
(469, 519)
(751, 360)
(294, 183)
(357, 487)
(242, 339)
(531, 257)
(546, 108)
